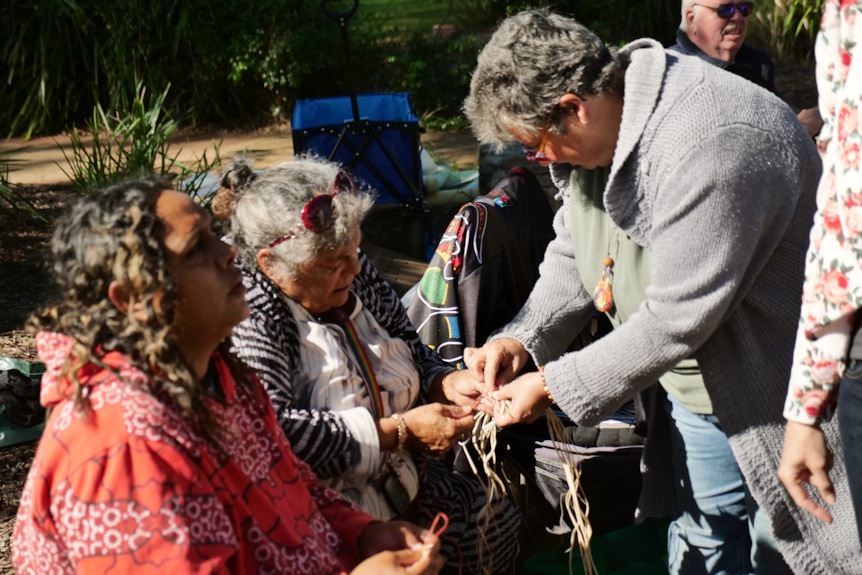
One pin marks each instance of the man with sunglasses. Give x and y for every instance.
(715, 32)
(695, 190)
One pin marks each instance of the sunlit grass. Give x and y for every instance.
(407, 16)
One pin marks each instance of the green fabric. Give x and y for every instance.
(28, 368)
(634, 550)
(631, 275)
(10, 433)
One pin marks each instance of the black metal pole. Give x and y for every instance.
(342, 18)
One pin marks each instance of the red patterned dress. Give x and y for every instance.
(128, 487)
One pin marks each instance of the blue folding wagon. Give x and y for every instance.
(376, 136)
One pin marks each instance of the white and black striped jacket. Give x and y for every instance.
(268, 342)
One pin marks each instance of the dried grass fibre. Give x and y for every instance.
(574, 506)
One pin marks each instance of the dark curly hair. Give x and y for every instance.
(115, 235)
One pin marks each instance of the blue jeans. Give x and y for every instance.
(850, 427)
(718, 527)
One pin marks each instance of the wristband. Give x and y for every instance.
(402, 431)
(545, 384)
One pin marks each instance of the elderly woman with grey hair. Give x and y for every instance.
(359, 396)
(688, 194)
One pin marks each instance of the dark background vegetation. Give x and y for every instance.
(237, 63)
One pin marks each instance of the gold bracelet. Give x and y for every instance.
(545, 384)
(402, 431)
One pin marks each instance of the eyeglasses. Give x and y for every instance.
(727, 11)
(538, 153)
(318, 214)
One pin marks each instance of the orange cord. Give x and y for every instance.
(444, 519)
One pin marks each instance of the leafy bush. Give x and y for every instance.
(228, 62)
(437, 74)
(236, 62)
(788, 27)
(615, 21)
(621, 21)
(133, 143)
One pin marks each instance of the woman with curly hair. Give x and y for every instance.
(161, 452)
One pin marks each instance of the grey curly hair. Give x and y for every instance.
(267, 205)
(532, 59)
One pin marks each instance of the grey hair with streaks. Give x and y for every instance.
(532, 59)
(268, 204)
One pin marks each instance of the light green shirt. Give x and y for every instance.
(595, 237)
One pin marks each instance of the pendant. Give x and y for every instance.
(603, 296)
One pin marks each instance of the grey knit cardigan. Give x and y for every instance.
(717, 179)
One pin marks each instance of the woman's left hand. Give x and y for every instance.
(404, 562)
(435, 427)
(394, 536)
(462, 387)
(521, 401)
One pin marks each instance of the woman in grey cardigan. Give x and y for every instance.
(695, 245)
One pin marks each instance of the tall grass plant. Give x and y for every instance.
(134, 142)
(788, 28)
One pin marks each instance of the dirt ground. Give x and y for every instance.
(24, 286)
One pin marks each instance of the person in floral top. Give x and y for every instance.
(161, 452)
(828, 343)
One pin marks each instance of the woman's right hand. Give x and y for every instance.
(411, 561)
(435, 427)
(497, 362)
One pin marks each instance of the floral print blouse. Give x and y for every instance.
(833, 278)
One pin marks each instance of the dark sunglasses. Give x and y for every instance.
(727, 11)
(318, 214)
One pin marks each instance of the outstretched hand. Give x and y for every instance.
(496, 362)
(521, 401)
(463, 387)
(435, 427)
(806, 459)
(406, 561)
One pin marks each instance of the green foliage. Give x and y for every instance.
(478, 14)
(788, 27)
(229, 61)
(236, 62)
(437, 73)
(133, 143)
(621, 21)
(615, 21)
(408, 16)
